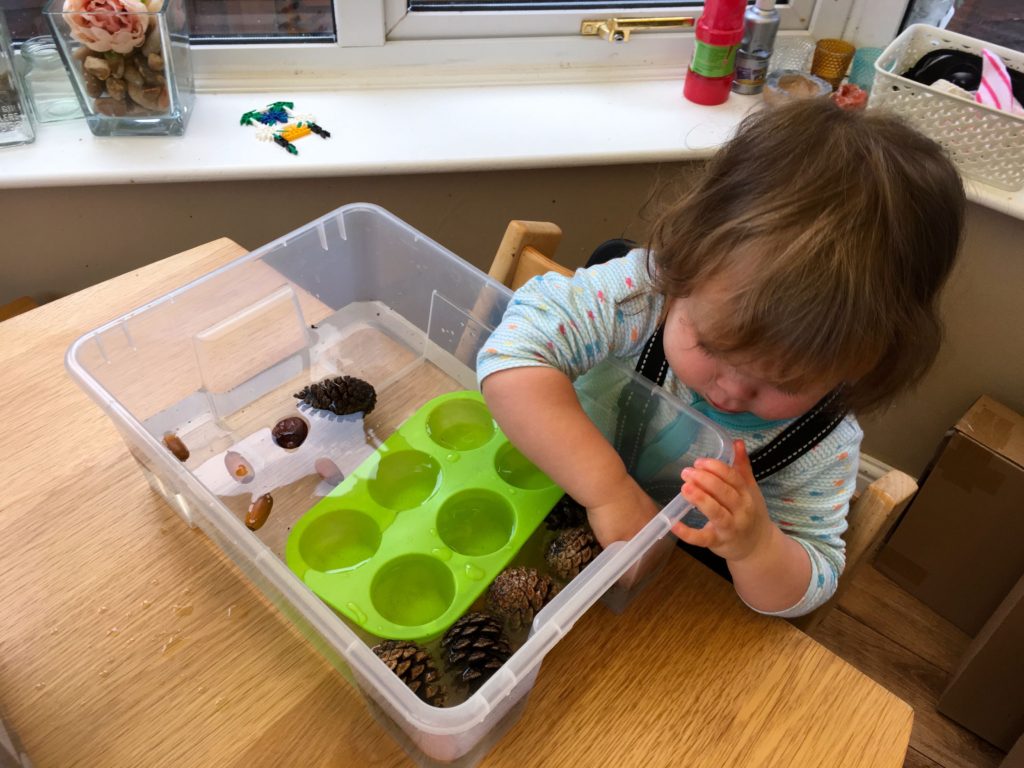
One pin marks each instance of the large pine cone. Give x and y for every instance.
(414, 667)
(476, 647)
(518, 593)
(567, 513)
(342, 395)
(571, 552)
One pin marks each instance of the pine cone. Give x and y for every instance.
(476, 646)
(518, 593)
(414, 667)
(342, 395)
(571, 551)
(567, 513)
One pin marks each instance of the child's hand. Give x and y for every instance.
(620, 517)
(738, 521)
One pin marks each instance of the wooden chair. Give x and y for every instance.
(871, 517)
(18, 306)
(527, 250)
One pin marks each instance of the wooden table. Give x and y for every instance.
(127, 639)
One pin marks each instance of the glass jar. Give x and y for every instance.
(49, 87)
(15, 121)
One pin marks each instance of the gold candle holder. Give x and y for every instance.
(832, 58)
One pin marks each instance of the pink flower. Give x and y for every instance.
(109, 25)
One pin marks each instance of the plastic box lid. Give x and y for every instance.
(355, 292)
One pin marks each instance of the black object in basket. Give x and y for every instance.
(961, 68)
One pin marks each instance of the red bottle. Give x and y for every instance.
(719, 33)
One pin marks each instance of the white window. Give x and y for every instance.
(426, 41)
(294, 44)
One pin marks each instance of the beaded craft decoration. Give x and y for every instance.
(278, 123)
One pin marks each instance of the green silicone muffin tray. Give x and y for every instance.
(407, 542)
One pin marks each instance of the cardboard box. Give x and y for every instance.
(960, 545)
(1015, 757)
(986, 692)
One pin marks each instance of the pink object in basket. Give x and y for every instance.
(995, 90)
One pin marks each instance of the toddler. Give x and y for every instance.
(800, 273)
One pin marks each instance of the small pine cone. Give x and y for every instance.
(567, 513)
(476, 647)
(414, 667)
(342, 395)
(518, 593)
(571, 551)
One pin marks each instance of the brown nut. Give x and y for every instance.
(290, 432)
(176, 446)
(259, 511)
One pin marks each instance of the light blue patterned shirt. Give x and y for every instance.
(610, 310)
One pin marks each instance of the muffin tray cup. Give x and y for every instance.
(412, 537)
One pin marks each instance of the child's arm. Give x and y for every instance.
(770, 570)
(537, 408)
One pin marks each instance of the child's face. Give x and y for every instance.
(743, 387)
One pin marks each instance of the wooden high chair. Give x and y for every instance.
(527, 250)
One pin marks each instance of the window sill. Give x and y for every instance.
(411, 130)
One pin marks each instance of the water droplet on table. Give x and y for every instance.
(182, 610)
(474, 572)
(441, 553)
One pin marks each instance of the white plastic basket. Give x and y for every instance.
(986, 144)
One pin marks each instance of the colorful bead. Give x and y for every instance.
(291, 127)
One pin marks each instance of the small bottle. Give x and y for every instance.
(15, 121)
(719, 32)
(48, 84)
(760, 23)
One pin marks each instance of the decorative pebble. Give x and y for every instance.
(328, 470)
(290, 432)
(259, 511)
(238, 467)
(176, 446)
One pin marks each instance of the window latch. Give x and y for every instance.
(618, 30)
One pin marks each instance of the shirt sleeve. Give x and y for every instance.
(809, 500)
(572, 323)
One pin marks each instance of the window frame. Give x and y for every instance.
(367, 56)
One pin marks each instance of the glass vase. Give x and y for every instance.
(15, 122)
(129, 62)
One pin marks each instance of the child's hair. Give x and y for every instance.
(833, 233)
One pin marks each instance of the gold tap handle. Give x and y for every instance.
(618, 30)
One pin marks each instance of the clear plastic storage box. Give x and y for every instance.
(357, 292)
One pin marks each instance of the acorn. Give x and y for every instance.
(290, 432)
(341, 395)
(475, 648)
(517, 594)
(414, 667)
(571, 552)
(176, 446)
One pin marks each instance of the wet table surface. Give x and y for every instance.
(128, 639)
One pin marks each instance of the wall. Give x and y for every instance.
(59, 240)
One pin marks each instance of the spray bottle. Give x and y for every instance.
(760, 23)
(719, 32)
